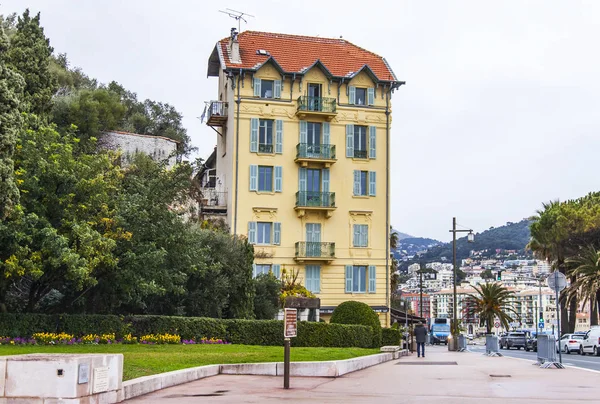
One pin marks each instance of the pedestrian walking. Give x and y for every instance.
(421, 337)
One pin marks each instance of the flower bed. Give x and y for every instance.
(48, 338)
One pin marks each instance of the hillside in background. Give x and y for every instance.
(401, 236)
(512, 236)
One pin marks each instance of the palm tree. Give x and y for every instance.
(393, 239)
(586, 272)
(491, 301)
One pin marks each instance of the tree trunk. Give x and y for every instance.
(572, 316)
(594, 310)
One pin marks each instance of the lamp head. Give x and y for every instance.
(471, 237)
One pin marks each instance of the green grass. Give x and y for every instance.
(144, 360)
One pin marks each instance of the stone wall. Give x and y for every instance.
(159, 148)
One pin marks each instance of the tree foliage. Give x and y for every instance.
(491, 301)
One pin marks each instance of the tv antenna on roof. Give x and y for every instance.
(236, 15)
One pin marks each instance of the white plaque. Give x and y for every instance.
(100, 380)
(84, 373)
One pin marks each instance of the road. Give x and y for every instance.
(575, 360)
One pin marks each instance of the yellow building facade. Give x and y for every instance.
(303, 158)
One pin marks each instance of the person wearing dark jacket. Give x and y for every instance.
(421, 337)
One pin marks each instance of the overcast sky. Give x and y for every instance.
(501, 110)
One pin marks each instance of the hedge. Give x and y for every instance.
(246, 332)
(353, 312)
(390, 336)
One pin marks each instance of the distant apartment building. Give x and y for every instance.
(414, 300)
(302, 160)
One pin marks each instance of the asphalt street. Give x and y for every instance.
(575, 360)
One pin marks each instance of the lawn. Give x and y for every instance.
(144, 360)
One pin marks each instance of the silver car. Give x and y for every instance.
(570, 343)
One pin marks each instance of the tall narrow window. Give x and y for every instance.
(360, 142)
(265, 178)
(263, 232)
(265, 136)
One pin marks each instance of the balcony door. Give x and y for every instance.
(313, 187)
(313, 239)
(314, 97)
(313, 140)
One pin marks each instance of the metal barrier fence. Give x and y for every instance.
(462, 343)
(546, 351)
(492, 345)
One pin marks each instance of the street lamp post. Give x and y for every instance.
(470, 238)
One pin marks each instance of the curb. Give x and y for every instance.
(148, 384)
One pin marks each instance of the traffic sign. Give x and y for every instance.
(557, 281)
(497, 324)
(541, 325)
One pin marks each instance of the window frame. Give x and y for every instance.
(260, 183)
(265, 130)
(364, 178)
(361, 153)
(261, 226)
(360, 242)
(257, 273)
(361, 271)
(263, 91)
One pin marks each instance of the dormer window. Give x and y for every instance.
(267, 88)
(361, 95)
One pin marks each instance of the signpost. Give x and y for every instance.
(541, 324)
(497, 325)
(289, 331)
(557, 281)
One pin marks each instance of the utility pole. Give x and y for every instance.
(421, 293)
(535, 320)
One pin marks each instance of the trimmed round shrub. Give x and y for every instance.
(352, 312)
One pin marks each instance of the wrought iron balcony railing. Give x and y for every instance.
(360, 154)
(317, 104)
(217, 113)
(315, 151)
(310, 199)
(265, 148)
(309, 249)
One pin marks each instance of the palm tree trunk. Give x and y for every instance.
(572, 316)
(594, 310)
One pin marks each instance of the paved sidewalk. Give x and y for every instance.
(434, 379)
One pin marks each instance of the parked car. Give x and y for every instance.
(513, 340)
(570, 342)
(531, 344)
(591, 342)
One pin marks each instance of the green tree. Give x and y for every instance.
(586, 271)
(487, 274)
(266, 298)
(492, 300)
(29, 54)
(11, 87)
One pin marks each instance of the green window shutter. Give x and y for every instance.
(277, 89)
(277, 233)
(302, 186)
(303, 132)
(372, 183)
(253, 177)
(356, 182)
(349, 278)
(252, 232)
(356, 235)
(372, 142)
(257, 87)
(276, 268)
(254, 135)
(279, 136)
(278, 178)
(372, 278)
(371, 96)
(351, 94)
(349, 140)
(326, 132)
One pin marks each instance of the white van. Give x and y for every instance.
(591, 342)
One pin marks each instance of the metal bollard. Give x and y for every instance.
(546, 352)
(462, 343)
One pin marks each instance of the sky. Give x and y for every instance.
(500, 111)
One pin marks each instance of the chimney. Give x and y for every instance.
(234, 47)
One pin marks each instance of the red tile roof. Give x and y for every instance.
(295, 53)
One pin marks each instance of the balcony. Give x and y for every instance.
(360, 154)
(316, 106)
(318, 153)
(315, 201)
(313, 251)
(217, 114)
(265, 148)
(213, 201)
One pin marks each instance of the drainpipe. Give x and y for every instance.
(237, 150)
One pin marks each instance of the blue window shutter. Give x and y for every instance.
(351, 94)
(364, 235)
(349, 140)
(308, 278)
(276, 270)
(372, 183)
(371, 96)
(325, 180)
(279, 136)
(317, 278)
(303, 132)
(277, 89)
(253, 177)
(372, 142)
(356, 182)
(278, 178)
(349, 278)
(257, 87)
(277, 233)
(356, 235)
(302, 186)
(253, 135)
(252, 232)
(372, 278)
(326, 132)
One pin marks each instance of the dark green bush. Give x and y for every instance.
(332, 335)
(266, 298)
(390, 336)
(352, 312)
(25, 325)
(82, 324)
(186, 327)
(254, 332)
